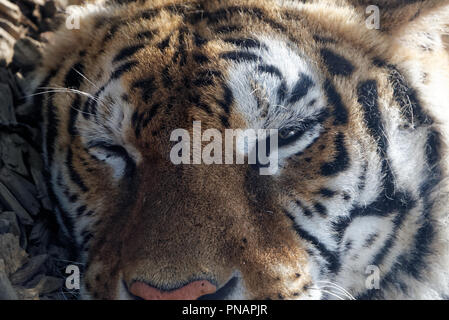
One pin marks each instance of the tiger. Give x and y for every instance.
(357, 208)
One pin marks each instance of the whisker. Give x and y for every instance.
(328, 292)
(74, 91)
(82, 75)
(337, 286)
(93, 97)
(340, 291)
(68, 90)
(73, 262)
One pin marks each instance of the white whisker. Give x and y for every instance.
(328, 292)
(82, 75)
(340, 288)
(69, 90)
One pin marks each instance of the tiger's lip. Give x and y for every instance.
(221, 293)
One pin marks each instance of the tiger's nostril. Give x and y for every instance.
(191, 291)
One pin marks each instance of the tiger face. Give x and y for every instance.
(361, 141)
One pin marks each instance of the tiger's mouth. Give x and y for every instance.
(221, 294)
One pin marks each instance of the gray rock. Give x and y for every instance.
(27, 53)
(5, 226)
(7, 292)
(26, 294)
(45, 284)
(39, 234)
(6, 47)
(36, 169)
(11, 218)
(24, 191)
(15, 31)
(11, 252)
(9, 201)
(12, 147)
(7, 115)
(33, 267)
(11, 11)
(49, 9)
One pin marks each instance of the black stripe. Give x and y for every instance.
(415, 261)
(196, 101)
(245, 42)
(321, 209)
(224, 121)
(90, 106)
(73, 115)
(149, 115)
(228, 12)
(301, 88)
(206, 78)
(270, 69)
(407, 203)
(304, 209)
(282, 91)
(199, 40)
(150, 13)
(111, 32)
(326, 193)
(239, 56)
(332, 258)
(322, 39)
(73, 198)
(390, 201)
(167, 80)
(127, 52)
(147, 35)
(74, 175)
(334, 98)
(362, 177)
(140, 121)
(80, 211)
(368, 99)
(51, 130)
(73, 77)
(228, 29)
(407, 98)
(433, 157)
(39, 98)
(147, 88)
(228, 98)
(122, 69)
(369, 241)
(65, 218)
(181, 53)
(200, 58)
(341, 160)
(164, 43)
(336, 64)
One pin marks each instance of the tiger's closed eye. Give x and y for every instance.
(115, 156)
(289, 135)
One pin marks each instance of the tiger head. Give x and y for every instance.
(358, 148)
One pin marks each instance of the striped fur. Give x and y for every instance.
(363, 181)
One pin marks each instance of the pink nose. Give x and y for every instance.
(191, 291)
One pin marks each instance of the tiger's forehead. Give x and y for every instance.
(194, 62)
(274, 84)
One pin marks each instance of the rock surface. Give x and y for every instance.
(33, 256)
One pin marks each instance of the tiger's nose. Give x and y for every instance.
(191, 291)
